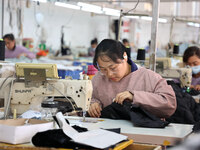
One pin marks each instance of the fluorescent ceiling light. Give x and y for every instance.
(67, 5)
(42, 1)
(197, 25)
(146, 18)
(133, 17)
(193, 24)
(111, 12)
(162, 20)
(190, 23)
(90, 8)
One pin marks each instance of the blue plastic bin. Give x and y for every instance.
(74, 74)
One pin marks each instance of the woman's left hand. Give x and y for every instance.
(126, 95)
(22, 54)
(197, 87)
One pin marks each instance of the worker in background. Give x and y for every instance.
(91, 49)
(147, 48)
(127, 45)
(191, 57)
(119, 79)
(15, 51)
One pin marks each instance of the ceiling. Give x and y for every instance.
(187, 9)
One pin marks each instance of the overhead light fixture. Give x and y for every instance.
(132, 17)
(193, 24)
(146, 18)
(190, 23)
(90, 8)
(42, 1)
(111, 12)
(162, 20)
(67, 5)
(197, 25)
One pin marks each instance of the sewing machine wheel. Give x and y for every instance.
(65, 106)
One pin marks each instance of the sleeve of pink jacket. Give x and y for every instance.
(94, 93)
(158, 98)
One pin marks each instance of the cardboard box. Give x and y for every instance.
(137, 146)
(17, 131)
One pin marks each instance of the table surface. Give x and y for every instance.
(170, 134)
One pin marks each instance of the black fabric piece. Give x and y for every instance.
(55, 119)
(115, 111)
(57, 138)
(196, 127)
(138, 116)
(194, 92)
(142, 118)
(187, 111)
(116, 130)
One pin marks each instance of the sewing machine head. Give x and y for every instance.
(163, 67)
(183, 74)
(24, 97)
(162, 63)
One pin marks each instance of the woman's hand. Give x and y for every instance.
(192, 86)
(126, 95)
(22, 54)
(95, 110)
(197, 87)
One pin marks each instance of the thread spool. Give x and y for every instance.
(2, 50)
(176, 49)
(141, 54)
(91, 71)
(15, 114)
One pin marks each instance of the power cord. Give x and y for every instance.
(133, 8)
(73, 105)
(9, 99)
(5, 81)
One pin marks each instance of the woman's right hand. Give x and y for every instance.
(95, 110)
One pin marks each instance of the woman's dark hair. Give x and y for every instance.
(191, 51)
(9, 37)
(111, 48)
(94, 41)
(125, 41)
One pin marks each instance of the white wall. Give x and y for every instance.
(80, 27)
(181, 33)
